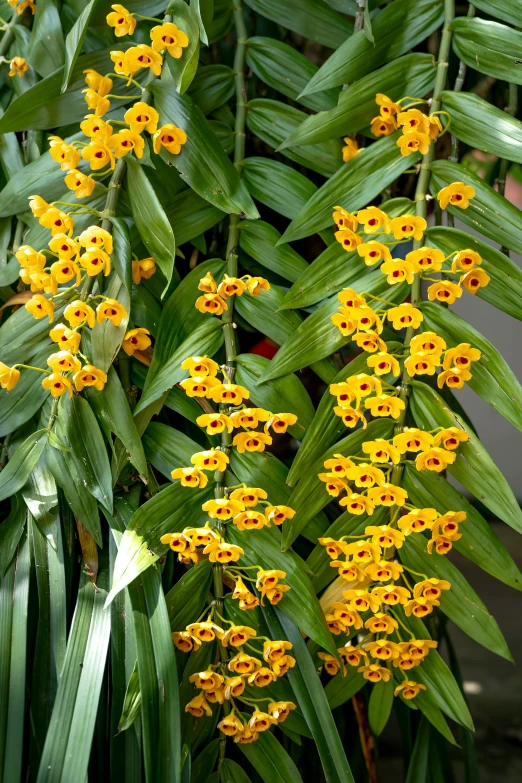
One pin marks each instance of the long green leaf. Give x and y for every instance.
(21, 464)
(306, 17)
(508, 10)
(278, 186)
(259, 240)
(74, 42)
(270, 760)
(488, 47)
(380, 704)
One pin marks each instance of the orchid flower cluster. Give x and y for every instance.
(214, 296)
(17, 65)
(418, 129)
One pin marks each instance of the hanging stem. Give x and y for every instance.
(421, 211)
(511, 109)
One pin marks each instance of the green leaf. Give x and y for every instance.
(312, 700)
(341, 688)
(508, 10)
(132, 704)
(21, 403)
(190, 216)
(396, 29)
(286, 394)
(122, 255)
(21, 464)
(488, 47)
(167, 448)
(310, 496)
(473, 466)
(309, 18)
(287, 70)
(420, 760)
(334, 267)
(212, 86)
(354, 185)
(259, 240)
(201, 162)
(114, 414)
(151, 221)
(263, 313)
(204, 10)
(504, 289)
(188, 597)
(140, 545)
(479, 542)
(68, 742)
(205, 340)
(270, 760)
(278, 186)
(80, 430)
(492, 377)
(461, 604)
(412, 74)
(317, 337)
(14, 602)
(481, 125)
(434, 715)
(11, 531)
(273, 122)
(74, 42)
(489, 213)
(183, 69)
(46, 45)
(380, 705)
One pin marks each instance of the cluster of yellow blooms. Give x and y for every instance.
(226, 682)
(18, 65)
(213, 299)
(418, 129)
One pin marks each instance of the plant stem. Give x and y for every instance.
(421, 211)
(6, 40)
(511, 109)
(459, 83)
(359, 16)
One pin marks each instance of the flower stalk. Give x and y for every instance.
(510, 109)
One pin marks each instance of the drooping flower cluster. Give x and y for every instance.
(418, 129)
(213, 299)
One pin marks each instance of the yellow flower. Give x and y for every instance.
(388, 495)
(223, 508)
(98, 155)
(142, 117)
(412, 439)
(474, 280)
(435, 126)
(457, 194)
(421, 364)
(350, 150)
(413, 141)
(136, 340)
(448, 524)
(65, 154)
(78, 313)
(280, 710)
(28, 257)
(381, 623)
(383, 126)
(466, 260)
(431, 589)
(9, 376)
(334, 485)
(442, 545)
(461, 356)
(143, 270)
(90, 376)
(344, 392)
(281, 421)
(82, 184)
(243, 663)
(38, 206)
(168, 36)
(384, 405)
(383, 649)
(177, 541)
(373, 219)
(381, 451)
(126, 141)
(210, 460)
(417, 520)
(366, 319)
(344, 219)
(65, 337)
(450, 438)
(347, 238)
(231, 286)
(420, 607)
(375, 673)
(413, 120)
(357, 504)
(409, 689)
(215, 423)
(97, 237)
(207, 632)
(282, 665)
(122, 21)
(256, 285)
(20, 8)
(185, 642)
(223, 553)
(211, 303)
(57, 384)
(383, 535)
(18, 66)
(387, 107)
(365, 475)
(200, 366)
(434, 459)
(247, 600)
(261, 721)
(141, 56)
(425, 259)
(251, 441)
(63, 361)
(398, 271)
(234, 686)
(362, 385)
(207, 680)
(262, 677)
(169, 136)
(408, 226)
(231, 394)
(41, 281)
(207, 284)
(190, 477)
(237, 635)
(111, 310)
(369, 342)
(331, 664)
(96, 102)
(117, 59)
(65, 247)
(57, 221)
(344, 322)
(40, 307)
(249, 496)
(445, 291)
(391, 595)
(278, 514)
(384, 570)
(427, 342)
(95, 81)
(373, 252)
(454, 378)
(94, 261)
(96, 128)
(338, 465)
(405, 315)
(250, 520)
